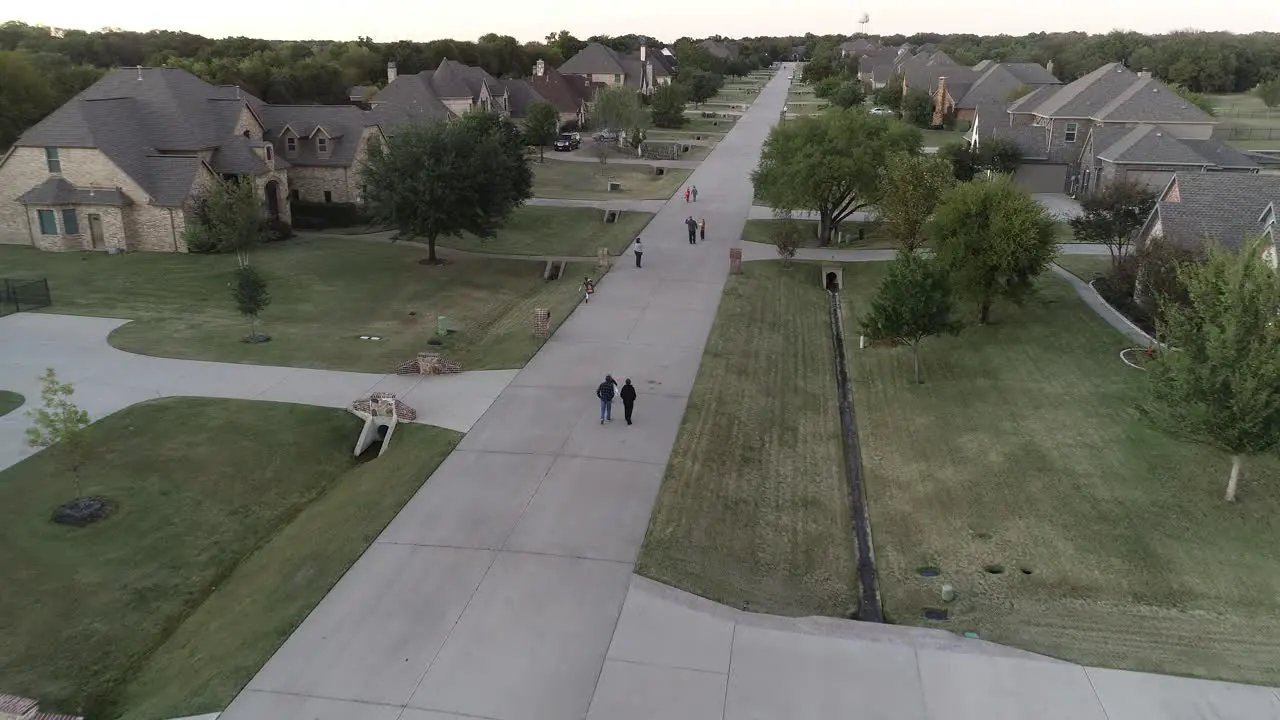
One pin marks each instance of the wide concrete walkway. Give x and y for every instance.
(107, 379)
(495, 592)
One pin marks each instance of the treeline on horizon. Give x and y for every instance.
(43, 68)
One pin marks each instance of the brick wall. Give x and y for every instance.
(26, 168)
(311, 183)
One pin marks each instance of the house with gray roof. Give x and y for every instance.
(448, 91)
(1061, 118)
(722, 49)
(119, 165)
(1226, 208)
(857, 46)
(643, 71)
(987, 83)
(325, 146)
(1150, 155)
(568, 93)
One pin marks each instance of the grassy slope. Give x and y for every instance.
(198, 487)
(761, 231)
(1023, 448)
(9, 401)
(563, 179)
(573, 232)
(753, 509)
(325, 293)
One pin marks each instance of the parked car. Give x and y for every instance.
(568, 142)
(607, 136)
(881, 111)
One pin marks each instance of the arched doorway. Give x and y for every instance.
(272, 191)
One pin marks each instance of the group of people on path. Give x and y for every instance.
(606, 392)
(691, 192)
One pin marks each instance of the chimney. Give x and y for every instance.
(939, 105)
(642, 53)
(139, 72)
(1049, 66)
(391, 72)
(1144, 74)
(237, 92)
(539, 68)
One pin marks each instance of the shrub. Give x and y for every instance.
(321, 216)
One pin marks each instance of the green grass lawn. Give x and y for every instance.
(571, 232)
(938, 138)
(586, 181)
(753, 509)
(226, 533)
(1246, 123)
(1023, 450)
(325, 291)
(1085, 267)
(874, 236)
(9, 401)
(686, 134)
(698, 124)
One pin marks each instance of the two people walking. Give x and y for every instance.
(697, 228)
(691, 192)
(606, 393)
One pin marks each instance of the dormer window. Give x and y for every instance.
(291, 146)
(322, 145)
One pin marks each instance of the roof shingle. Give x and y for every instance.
(1225, 207)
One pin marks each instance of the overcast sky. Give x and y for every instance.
(387, 20)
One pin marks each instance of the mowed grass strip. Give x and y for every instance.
(326, 292)
(874, 234)
(569, 180)
(568, 232)
(754, 508)
(199, 486)
(1024, 450)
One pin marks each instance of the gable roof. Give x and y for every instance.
(409, 97)
(717, 49)
(343, 124)
(1113, 93)
(57, 191)
(925, 77)
(1225, 207)
(1031, 73)
(520, 95)
(152, 123)
(566, 92)
(996, 82)
(1148, 144)
(594, 59)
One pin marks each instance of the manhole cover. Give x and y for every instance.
(929, 571)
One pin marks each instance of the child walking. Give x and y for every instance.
(588, 289)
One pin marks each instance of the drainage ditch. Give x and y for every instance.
(869, 607)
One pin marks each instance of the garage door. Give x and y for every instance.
(1156, 181)
(1041, 178)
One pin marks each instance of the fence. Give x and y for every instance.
(1231, 112)
(1235, 132)
(19, 295)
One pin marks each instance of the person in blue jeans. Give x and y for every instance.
(605, 392)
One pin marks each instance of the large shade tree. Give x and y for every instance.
(993, 239)
(616, 107)
(541, 121)
(1220, 382)
(830, 164)
(446, 178)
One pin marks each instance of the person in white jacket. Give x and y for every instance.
(638, 249)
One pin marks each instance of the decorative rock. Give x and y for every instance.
(948, 593)
(82, 511)
(735, 261)
(603, 261)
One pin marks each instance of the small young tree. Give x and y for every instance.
(1220, 382)
(826, 87)
(913, 303)
(1113, 215)
(228, 217)
(249, 289)
(909, 193)
(667, 107)
(541, 121)
(993, 239)
(847, 94)
(917, 108)
(1269, 92)
(701, 85)
(616, 107)
(786, 236)
(59, 422)
(602, 149)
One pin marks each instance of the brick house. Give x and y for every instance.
(568, 93)
(121, 164)
(449, 91)
(1053, 123)
(992, 82)
(643, 71)
(1226, 208)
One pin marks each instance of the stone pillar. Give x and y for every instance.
(735, 261)
(542, 323)
(602, 258)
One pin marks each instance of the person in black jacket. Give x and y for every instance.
(628, 395)
(605, 393)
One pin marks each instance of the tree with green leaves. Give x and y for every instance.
(60, 422)
(830, 164)
(1269, 92)
(667, 106)
(25, 96)
(1113, 215)
(998, 155)
(993, 239)
(249, 290)
(446, 178)
(826, 87)
(917, 108)
(1194, 98)
(909, 193)
(964, 162)
(786, 236)
(890, 94)
(701, 85)
(848, 94)
(1219, 383)
(616, 107)
(913, 303)
(228, 217)
(541, 122)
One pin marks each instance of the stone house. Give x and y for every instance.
(1226, 208)
(1052, 124)
(643, 71)
(568, 93)
(121, 164)
(449, 91)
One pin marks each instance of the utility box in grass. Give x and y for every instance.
(614, 186)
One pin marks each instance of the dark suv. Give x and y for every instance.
(568, 141)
